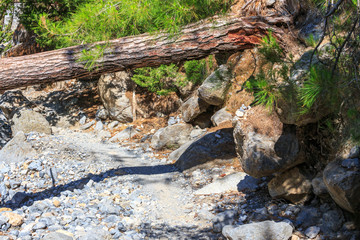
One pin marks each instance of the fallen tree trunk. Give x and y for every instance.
(194, 42)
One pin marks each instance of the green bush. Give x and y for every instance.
(103, 20)
(196, 71)
(158, 80)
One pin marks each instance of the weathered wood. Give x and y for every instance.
(147, 50)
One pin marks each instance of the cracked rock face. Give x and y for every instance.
(261, 155)
(215, 87)
(112, 90)
(343, 183)
(5, 130)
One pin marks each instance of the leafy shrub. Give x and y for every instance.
(320, 85)
(157, 80)
(196, 71)
(103, 20)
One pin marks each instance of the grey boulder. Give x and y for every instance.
(267, 230)
(213, 146)
(192, 108)
(291, 185)
(112, 90)
(171, 136)
(221, 116)
(27, 121)
(262, 154)
(17, 149)
(215, 87)
(343, 185)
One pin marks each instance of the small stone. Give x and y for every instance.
(58, 236)
(113, 124)
(88, 125)
(270, 3)
(39, 225)
(312, 232)
(35, 165)
(57, 203)
(99, 126)
(14, 218)
(102, 114)
(82, 120)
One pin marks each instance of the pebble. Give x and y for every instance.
(312, 232)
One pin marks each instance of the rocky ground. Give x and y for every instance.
(84, 178)
(78, 186)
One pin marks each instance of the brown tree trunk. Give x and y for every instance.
(194, 42)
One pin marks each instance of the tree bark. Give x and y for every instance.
(195, 41)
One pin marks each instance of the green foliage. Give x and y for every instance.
(54, 10)
(196, 71)
(263, 90)
(310, 41)
(271, 50)
(103, 20)
(89, 57)
(319, 85)
(157, 79)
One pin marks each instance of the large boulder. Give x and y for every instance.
(112, 90)
(266, 146)
(213, 146)
(27, 120)
(17, 149)
(172, 136)
(11, 101)
(192, 108)
(267, 230)
(342, 179)
(220, 117)
(5, 130)
(291, 185)
(215, 87)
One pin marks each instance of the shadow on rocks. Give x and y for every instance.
(21, 199)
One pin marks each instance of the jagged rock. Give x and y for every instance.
(17, 149)
(291, 185)
(5, 130)
(171, 136)
(213, 146)
(267, 230)
(266, 146)
(112, 90)
(215, 87)
(27, 120)
(319, 187)
(192, 108)
(229, 183)
(221, 116)
(11, 101)
(127, 133)
(343, 184)
(102, 114)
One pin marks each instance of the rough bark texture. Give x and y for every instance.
(193, 42)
